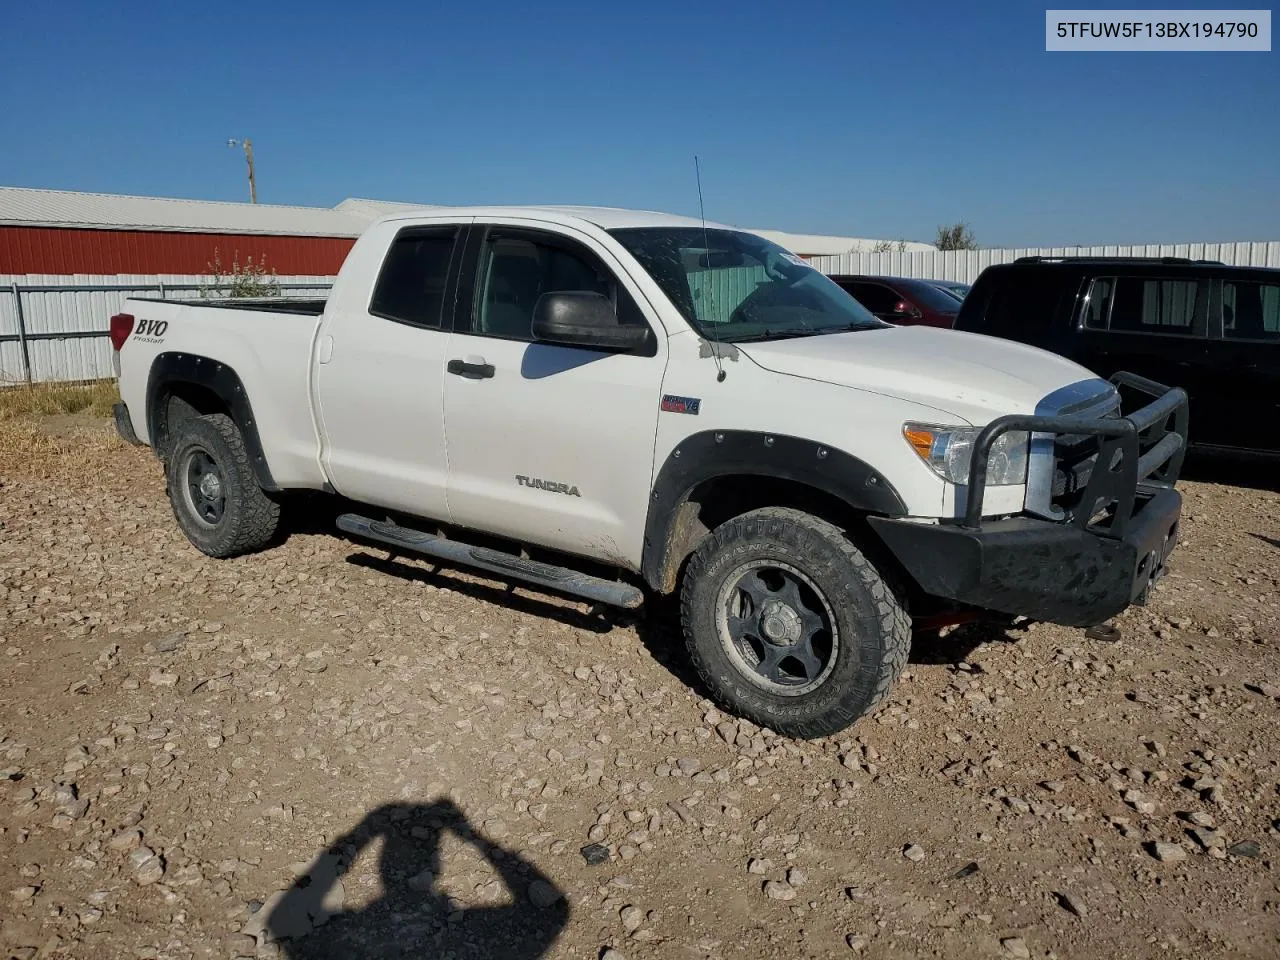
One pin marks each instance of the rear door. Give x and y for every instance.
(547, 444)
(1157, 327)
(1248, 372)
(380, 376)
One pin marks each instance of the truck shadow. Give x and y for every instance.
(523, 913)
(934, 648)
(657, 625)
(1235, 470)
(521, 599)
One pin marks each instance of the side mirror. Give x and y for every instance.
(579, 318)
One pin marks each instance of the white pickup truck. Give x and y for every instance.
(647, 402)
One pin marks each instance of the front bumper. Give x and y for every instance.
(1048, 571)
(1110, 537)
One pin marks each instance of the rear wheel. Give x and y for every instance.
(790, 625)
(213, 490)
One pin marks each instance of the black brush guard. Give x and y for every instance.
(1141, 453)
(1106, 552)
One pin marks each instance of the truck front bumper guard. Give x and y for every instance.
(1106, 553)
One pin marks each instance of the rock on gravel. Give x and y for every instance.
(148, 866)
(1016, 947)
(779, 890)
(913, 852)
(1245, 848)
(543, 894)
(1071, 904)
(595, 853)
(1168, 852)
(125, 840)
(422, 882)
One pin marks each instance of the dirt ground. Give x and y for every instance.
(314, 752)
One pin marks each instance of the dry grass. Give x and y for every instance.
(34, 442)
(94, 398)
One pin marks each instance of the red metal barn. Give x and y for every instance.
(58, 232)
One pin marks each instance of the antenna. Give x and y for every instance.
(702, 212)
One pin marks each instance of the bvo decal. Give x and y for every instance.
(151, 331)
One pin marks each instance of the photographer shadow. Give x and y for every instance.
(413, 918)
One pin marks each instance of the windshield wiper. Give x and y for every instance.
(788, 332)
(781, 333)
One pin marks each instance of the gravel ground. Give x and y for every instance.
(214, 759)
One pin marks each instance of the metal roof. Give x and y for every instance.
(816, 245)
(22, 206)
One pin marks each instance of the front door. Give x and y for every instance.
(380, 378)
(549, 445)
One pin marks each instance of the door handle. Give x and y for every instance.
(474, 369)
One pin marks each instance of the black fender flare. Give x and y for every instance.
(172, 368)
(724, 453)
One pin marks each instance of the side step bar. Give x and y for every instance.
(504, 565)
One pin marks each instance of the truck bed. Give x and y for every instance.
(308, 307)
(266, 343)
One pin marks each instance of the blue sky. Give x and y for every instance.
(872, 120)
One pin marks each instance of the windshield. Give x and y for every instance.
(935, 297)
(734, 286)
(957, 290)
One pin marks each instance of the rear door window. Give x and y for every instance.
(411, 287)
(1178, 308)
(1250, 311)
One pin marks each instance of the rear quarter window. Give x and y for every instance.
(1251, 311)
(1017, 305)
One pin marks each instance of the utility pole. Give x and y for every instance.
(247, 144)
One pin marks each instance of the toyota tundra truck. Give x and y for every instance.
(613, 405)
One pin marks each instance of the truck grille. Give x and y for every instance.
(1074, 455)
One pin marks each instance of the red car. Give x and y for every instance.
(902, 300)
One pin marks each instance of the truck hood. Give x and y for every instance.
(968, 375)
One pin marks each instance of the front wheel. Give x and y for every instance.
(213, 490)
(790, 625)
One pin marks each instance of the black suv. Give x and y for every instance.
(1211, 329)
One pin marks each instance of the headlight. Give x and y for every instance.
(949, 451)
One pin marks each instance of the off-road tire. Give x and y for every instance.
(249, 518)
(874, 629)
